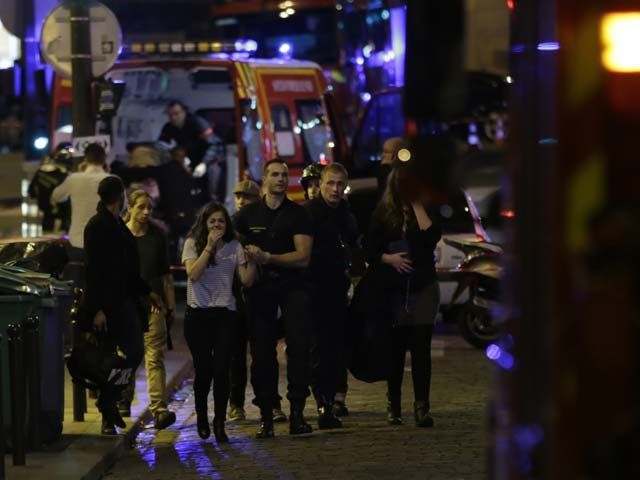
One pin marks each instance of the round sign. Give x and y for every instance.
(106, 39)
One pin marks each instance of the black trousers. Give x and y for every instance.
(238, 366)
(126, 333)
(328, 363)
(263, 301)
(416, 339)
(209, 333)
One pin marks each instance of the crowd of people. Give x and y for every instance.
(275, 269)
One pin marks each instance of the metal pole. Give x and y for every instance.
(79, 393)
(82, 117)
(32, 362)
(2, 432)
(16, 378)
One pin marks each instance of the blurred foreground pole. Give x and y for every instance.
(568, 401)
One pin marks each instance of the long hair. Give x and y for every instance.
(132, 199)
(390, 209)
(199, 231)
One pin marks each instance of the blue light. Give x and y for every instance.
(506, 361)
(247, 45)
(40, 143)
(359, 60)
(365, 96)
(493, 352)
(518, 48)
(548, 46)
(285, 49)
(385, 14)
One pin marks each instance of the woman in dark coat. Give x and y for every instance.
(400, 247)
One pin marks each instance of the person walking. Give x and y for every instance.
(154, 269)
(212, 257)
(279, 238)
(335, 232)
(115, 291)
(400, 245)
(82, 189)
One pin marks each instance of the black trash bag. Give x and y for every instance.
(94, 363)
(369, 330)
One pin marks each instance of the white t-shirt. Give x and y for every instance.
(214, 288)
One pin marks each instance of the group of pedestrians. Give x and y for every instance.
(275, 269)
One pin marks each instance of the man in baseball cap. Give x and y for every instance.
(245, 192)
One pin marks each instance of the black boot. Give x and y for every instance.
(218, 430)
(203, 424)
(266, 424)
(421, 413)
(394, 412)
(326, 418)
(297, 424)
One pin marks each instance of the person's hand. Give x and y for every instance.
(213, 238)
(257, 255)
(100, 321)
(156, 302)
(399, 261)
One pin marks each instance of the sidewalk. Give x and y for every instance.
(83, 452)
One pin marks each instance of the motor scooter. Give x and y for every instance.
(478, 275)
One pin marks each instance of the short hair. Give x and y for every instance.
(177, 103)
(334, 168)
(95, 154)
(110, 190)
(271, 162)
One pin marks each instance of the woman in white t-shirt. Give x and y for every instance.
(212, 256)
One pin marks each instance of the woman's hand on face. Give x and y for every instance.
(399, 261)
(214, 236)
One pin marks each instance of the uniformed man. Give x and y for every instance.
(278, 236)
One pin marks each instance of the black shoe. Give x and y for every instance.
(218, 431)
(266, 425)
(203, 425)
(297, 424)
(279, 416)
(164, 419)
(340, 409)
(421, 414)
(108, 428)
(394, 415)
(327, 419)
(112, 416)
(124, 408)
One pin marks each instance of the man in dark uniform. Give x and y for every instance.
(196, 136)
(335, 232)
(277, 233)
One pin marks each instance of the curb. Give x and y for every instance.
(127, 440)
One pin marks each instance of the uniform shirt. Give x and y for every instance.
(273, 229)
(214, 288)
(196, 136)
(82, 188)
(154, 257)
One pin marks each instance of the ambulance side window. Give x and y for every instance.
(251, 126)
(312, 128)
(283, 130)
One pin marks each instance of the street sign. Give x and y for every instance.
(106, 39)
(81, 143)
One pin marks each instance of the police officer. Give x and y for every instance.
(278, 236)
(335, 232)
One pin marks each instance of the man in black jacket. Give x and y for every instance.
(114, 289)
(335, 232)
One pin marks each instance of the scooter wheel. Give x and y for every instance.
(476, 326)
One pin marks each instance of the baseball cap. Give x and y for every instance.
(248, 187)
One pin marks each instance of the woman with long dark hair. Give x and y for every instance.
(403, 234)
(212, 257)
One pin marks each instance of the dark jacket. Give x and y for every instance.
(335, 233)
(112, 267)
(421, 245)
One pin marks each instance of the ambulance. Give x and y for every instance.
(259, 108)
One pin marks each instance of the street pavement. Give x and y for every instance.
(455, 449)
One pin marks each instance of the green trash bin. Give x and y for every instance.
(24, 293)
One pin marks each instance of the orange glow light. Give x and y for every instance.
(620, 36)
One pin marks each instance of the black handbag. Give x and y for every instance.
(94, 363)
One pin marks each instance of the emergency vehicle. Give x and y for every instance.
(258, 108)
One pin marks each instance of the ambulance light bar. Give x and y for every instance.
(247, 46)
